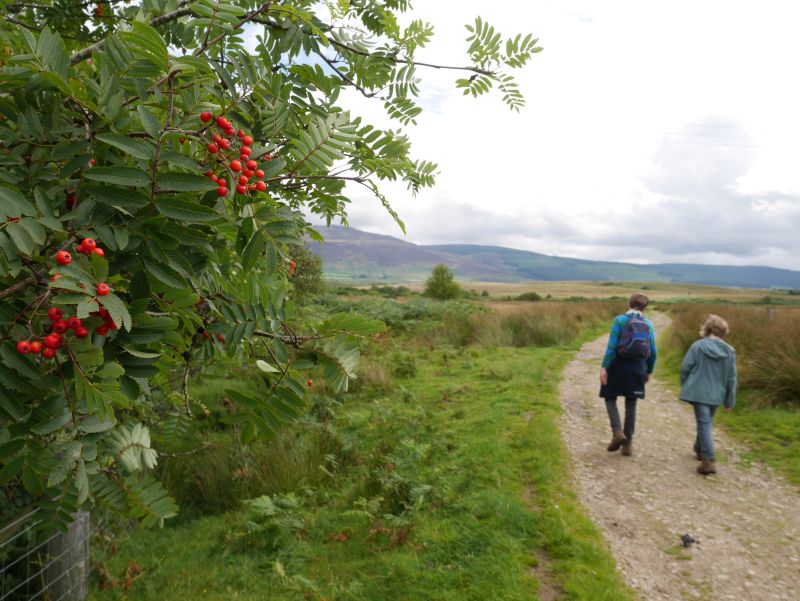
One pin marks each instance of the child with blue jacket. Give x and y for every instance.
(625, 373)
(708, 380)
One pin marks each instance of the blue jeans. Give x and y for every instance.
(704, 414)
(630, 417)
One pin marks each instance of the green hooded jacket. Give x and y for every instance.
(708, 373)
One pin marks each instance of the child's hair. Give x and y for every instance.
(638, 301)
(714, 325)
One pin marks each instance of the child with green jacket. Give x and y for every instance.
(708, 380)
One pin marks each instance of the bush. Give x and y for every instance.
(440, 284)
(404, 365)
(529, 296)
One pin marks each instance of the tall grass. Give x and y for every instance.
(767, 342)
(537, 324)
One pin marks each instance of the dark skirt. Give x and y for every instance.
(626, 378)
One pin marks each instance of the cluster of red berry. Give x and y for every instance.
(53, 341)
(243, 169)
(87, 247)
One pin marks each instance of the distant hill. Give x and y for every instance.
(352, 255)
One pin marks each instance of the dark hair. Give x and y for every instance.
(638, 301)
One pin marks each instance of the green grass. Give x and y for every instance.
(458, 489)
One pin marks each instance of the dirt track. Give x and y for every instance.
(746, 519)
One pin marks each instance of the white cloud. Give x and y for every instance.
(682, 112)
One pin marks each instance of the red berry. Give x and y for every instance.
(229, 131)
(23, 347)
(221, 182)
(101, 330)
(222, 122)
(240, 133)
(267, 157)
(48, 353)
(251, 187)
(252, 164)
(248, 173)
(81, 332)
(236, 166)
(182, 140)
(60, 326)
(217, 138)
(221, 338)
(259, 173)
(63, 257)
(73, 323)
(210, 174)
(205, 116)
(99, 251)
(261, 186)
(224, 143)
(222, 191)
(52, 341)
(292, 267)
(103, 290)
(241, 188)
(72, 199)
(54, 313)
(242, 179)
(88, 245)
(111, 324)
(92, 162)
(310, 383)
(212, 148)
(247, 141)
(246, 151)
(36, 347)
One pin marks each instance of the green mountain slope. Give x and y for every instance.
(353, 255)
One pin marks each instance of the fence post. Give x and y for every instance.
(68, 557)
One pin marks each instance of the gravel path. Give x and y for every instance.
(746, 520)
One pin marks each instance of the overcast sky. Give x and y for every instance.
(654, 132)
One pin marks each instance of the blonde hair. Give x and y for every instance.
(714, 325)
(638, 301)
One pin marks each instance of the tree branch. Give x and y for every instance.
(22, 284)
(396, 59)
(82, 55)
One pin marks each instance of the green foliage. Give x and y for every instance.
(440, 284)
(432, 503)
(307, 277)
(102, 139)
(529, 296)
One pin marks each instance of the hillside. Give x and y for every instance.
(353, 255)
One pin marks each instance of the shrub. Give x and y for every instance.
(529, 296)
(440, 284)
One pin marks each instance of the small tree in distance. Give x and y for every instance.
(441, 284)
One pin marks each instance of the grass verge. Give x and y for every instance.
(459, 489)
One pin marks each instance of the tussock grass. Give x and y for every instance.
(767, 342)
(535, 324)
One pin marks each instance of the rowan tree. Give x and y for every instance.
(154, 173)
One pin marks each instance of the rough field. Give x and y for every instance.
(745, 519)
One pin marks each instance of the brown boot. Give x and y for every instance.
(707, 466)
(696, 449)
(617, 439)
(627, 449)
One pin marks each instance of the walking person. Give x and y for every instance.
(708, 380)
(628, 362)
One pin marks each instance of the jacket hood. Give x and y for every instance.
(715, 348)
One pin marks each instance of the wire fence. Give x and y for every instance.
(44, 567)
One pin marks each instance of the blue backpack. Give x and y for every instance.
(634, 341)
